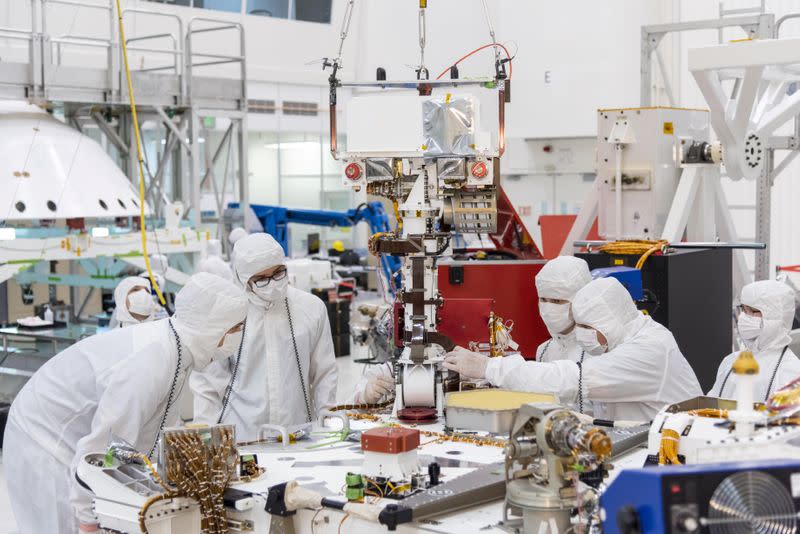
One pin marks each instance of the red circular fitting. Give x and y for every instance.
(479, 170)
(352, 171)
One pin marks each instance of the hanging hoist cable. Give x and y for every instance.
(423, 31)
(139, 156)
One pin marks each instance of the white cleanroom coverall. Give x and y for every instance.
(140, 301)
(216, 265)
(769, 341)
(642, 370)
(560, 279)
(270, 386)
(115, 384)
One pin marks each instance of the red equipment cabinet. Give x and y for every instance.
(509, 284)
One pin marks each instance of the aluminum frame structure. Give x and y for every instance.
(743, 117)
(746, 88)
(173, 93)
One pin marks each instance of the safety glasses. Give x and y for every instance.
(263, 281)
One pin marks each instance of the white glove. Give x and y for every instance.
(377, 387)
(467, 364)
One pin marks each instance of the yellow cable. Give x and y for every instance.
(668, 448)
(642, 246)
(397, 217)
(155, 473)
(139, 155)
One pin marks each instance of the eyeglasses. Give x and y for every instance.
(263, 281)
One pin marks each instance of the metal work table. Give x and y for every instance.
(54, 336)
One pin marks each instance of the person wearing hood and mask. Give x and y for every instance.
(557, 283)
(216, 265)
(285, 373)
(636, 367)
(121, 384)
(235, 235)
(764, 322)
(134, 303)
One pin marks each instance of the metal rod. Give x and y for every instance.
(491, 30)
(85, 302)
(698, 244)
(667, 85)
(782, 20)
(348, 16)
(217, 56)
(80, 4)
(221, 62)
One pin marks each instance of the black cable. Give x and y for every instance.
(297, 357)
(443, 248)
(171, 397)
(725, 381)
(775, 373)
(226, 398)
(580, 382)
(771, 381)
(544, 350)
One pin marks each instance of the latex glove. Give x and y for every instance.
(89, 527)
(466, 363)
(377, 387)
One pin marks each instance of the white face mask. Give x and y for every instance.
(140, 302)
(274, 291)
(749, 327)
(230, 345)
(587, 339)
(556, 317)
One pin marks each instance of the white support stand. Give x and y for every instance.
(584, 221)
(746, 120)
(700, 209)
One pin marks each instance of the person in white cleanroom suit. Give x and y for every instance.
(765, 319)
(636, 367)
(112, 385)
(215, 265)
(134, 303)
(557, 283)
(286, 372)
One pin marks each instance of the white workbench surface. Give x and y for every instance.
(324, 469)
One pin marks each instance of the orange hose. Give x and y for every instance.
(510, 62)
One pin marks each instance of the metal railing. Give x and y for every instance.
(214, 59)
(178, 40)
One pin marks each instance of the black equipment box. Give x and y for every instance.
(690, 292)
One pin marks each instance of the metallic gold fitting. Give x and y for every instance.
(598, 443)
(745, 364)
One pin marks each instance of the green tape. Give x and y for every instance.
(108, 460)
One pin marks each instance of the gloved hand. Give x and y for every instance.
(377, 387)
(466, 363)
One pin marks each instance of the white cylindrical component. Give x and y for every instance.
(744, 393)
(418, 386)
(715, 150)
(618, 191)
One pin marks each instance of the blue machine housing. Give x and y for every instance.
(658, 500)
(276, 220)
(629, 277)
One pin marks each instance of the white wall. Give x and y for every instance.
(588, 50)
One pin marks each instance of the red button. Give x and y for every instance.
(479, 170)
(352, 171)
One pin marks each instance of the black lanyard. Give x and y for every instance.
(229, 389)
(580, 372)
(771, 380)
